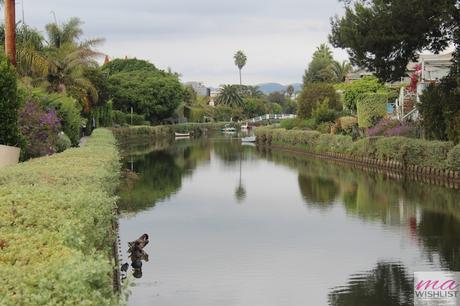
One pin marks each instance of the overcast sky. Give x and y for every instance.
(198, 38)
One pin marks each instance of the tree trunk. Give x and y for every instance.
(10, 31)
(240, 78)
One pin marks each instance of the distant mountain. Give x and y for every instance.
(268, 88)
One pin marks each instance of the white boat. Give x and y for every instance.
(182, 134)
(249, 139)
(228, 129)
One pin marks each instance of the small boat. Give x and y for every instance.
(228, 129)
(245, 126)
(249, 139)
(182, 135)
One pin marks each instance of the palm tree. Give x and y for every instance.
(240, 61)
(340, 70)
(10, 29)
(229, 95)
(290, 91)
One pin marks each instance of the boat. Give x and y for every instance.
(245, 126)
(249, 139)
(179, 135)
(228, 129)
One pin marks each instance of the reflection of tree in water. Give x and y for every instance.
(159, 175)
(158, 178)
(388, 284)
(318, 191)
(440, 235)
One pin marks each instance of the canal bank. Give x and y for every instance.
(56, 226)
(434, 161)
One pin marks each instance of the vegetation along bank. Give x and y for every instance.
(432, 158)
(56, 234)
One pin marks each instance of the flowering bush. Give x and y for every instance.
(40, 129)
(391, 127)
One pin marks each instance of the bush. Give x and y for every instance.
(391, 127)
(56, 233)
(413, 151)
(371, 108)
(346, 125)
(40, 130)
(118, 118)
(297, 123)
(314, 94)
(352, 91)
(453, 158)
(407, 151)
(9, 104)
(63, 142)
(325, 127)
(322, 113)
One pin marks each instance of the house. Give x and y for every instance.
(200, 89)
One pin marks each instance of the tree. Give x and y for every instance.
(314, 94)
(229, 95)
(240, 61)
(9, 104)
(383, 36)
(254, 107)
(320, 69)
(290, 91)
(149, 91)
(277, 97)
(353, 90)
(340, 70)
(10, 30)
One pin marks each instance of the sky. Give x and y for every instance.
(198, 38)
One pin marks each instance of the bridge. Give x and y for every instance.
(271, 117)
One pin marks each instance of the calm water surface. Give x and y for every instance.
(235, 225)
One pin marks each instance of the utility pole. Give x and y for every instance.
(10, 31)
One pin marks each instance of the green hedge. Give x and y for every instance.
(371, 107)
(56, 233)
(408, 151)
(9, 104)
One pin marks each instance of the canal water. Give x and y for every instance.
(231, 224)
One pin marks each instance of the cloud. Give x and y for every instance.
(198, 38)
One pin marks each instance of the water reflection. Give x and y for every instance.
(209, 251)
(388, 284)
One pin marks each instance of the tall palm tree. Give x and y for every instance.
(323, 51)
(240, 61)
(229, 95)
(10, 29)
(340, 70)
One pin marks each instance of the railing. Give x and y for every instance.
(267, 117)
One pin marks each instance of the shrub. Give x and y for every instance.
(371, 108)
(9, 104)
(346, 125)
(322, 113)
(63, 142)
(334, 143)
(453, 158)
(391, 127)
(56, 218)
(40, 130)
(352, 91)
(118, 118)
(313, 94)
(365, 147)
(297, 123)
(325, 127)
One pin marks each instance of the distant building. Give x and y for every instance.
(199, 88)
(213, 95)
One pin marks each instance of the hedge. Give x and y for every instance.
(56, 233)
(9, 104)
(407, 151)
(370, 108)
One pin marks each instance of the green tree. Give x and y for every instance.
(240, 61)
(353, 90)
(384, 35)
(340, 70)
(320, 69)
(277, 97)
(290, 91)
(254, 107)
(8, 104)
(316, 93)
(229, 95)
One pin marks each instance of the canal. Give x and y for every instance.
(231, 224)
